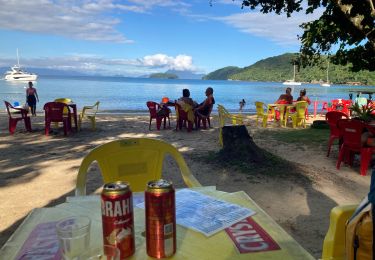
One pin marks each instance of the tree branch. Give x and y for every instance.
(357, 20)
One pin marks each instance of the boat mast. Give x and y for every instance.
(327, 71)
(18, 59)
(294, 72)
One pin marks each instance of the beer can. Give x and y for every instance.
(160, 219)
(117, 218)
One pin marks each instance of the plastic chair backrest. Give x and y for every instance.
(92, 109)
(22, 113)
(153, 108)
(180, 113)
(332, 118)
(8, 107)
(95, 107)
(260, 108)
(56, 111)
(222, 112)
(135, 160)
(351, 131)
(63, 100)
(301, 107)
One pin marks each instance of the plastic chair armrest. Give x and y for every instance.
(334, 241)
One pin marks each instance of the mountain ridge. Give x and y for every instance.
(280, 68)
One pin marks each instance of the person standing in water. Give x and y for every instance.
(32, 98)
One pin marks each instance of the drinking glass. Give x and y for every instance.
(74, 236)
(106, 252)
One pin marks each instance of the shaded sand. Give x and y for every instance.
(40, 171)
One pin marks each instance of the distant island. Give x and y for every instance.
(280, 68)
(163, 76)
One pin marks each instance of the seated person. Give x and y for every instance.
(286, 98)
(303, 97)
(205, 107)
(186, 99)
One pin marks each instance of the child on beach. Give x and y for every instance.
(242, 104)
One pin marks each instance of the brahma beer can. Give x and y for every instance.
(160, 219)
(117, 217)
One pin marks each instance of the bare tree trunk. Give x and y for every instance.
(239, 145)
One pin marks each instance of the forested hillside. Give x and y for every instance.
(280, 68)
(223, 74)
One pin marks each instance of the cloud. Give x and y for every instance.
(89, 63)
(277, 28)
(180, 62)
(92, 20)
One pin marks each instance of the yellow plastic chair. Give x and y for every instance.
(135, 160)
(298, 117)
(223, 116)
(334, 241)
(262, 113)
(63, 100)
(89, 112)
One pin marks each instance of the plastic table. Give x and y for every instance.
(190, 244)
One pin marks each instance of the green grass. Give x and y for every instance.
(307, 136)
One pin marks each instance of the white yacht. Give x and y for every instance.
(292, 82)
(18, 74)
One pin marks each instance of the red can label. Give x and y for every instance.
(118, 221)
(160, 223)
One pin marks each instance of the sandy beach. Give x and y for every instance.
(40, 171)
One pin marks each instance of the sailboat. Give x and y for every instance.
(292, 82)
(326, 84)
(18, 74)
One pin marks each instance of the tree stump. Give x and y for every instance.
(238, 145)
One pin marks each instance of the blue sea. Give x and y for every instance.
(118, 94)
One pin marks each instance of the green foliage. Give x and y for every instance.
(163, 76)
(345, 26)
(363, 113)
(222, 74)
(280, 68)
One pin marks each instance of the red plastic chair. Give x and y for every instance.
(16, 114)
(351, 131)
(153, 108)
(332, 117)
(182, 119)
(57, 112)
(203, 118)
(342, 105)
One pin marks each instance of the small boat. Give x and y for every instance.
(326, 84)
(292, 82)
(18, 74)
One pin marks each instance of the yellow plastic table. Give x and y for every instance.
(190, 244)
(284, 111)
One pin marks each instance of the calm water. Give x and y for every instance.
(129, 94)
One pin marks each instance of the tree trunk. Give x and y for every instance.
(238, 145)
